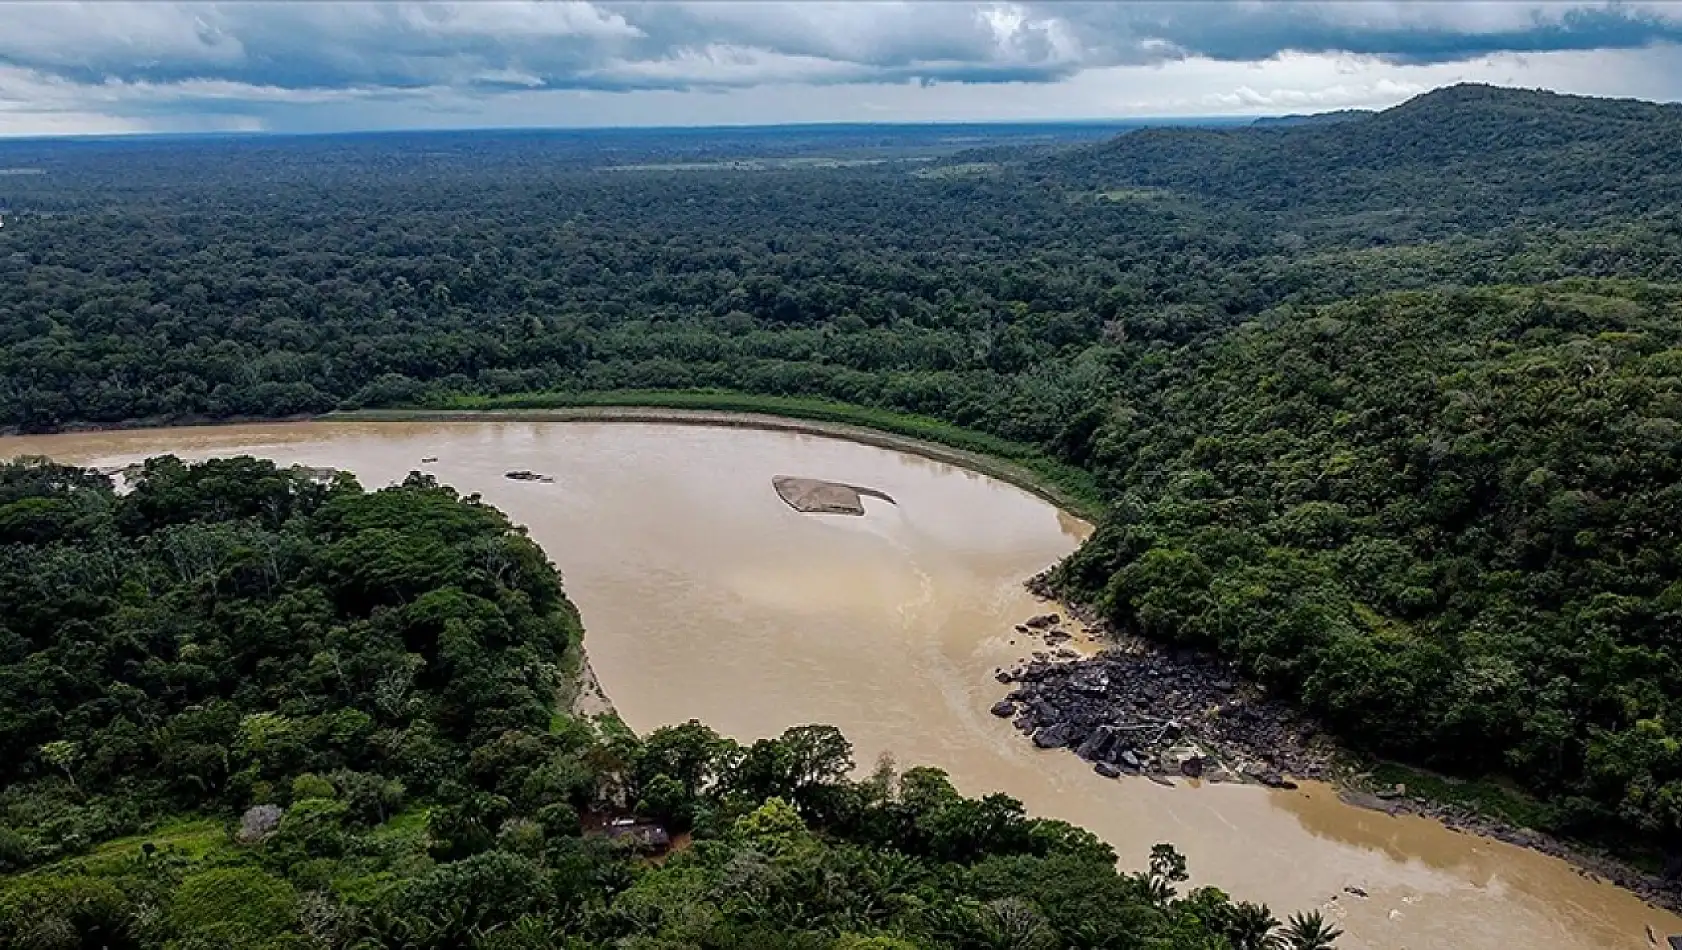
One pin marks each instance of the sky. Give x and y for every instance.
(299, 66)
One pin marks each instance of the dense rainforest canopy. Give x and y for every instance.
(1384, 408)
(248, 707)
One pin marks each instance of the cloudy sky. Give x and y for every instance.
(111, 66)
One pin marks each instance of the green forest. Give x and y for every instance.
(256, 707)
(1385, 409)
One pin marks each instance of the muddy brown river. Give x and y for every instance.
(705, 596)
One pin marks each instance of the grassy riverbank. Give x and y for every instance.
(1063, 485)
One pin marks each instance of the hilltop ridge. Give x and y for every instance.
(1476, 156)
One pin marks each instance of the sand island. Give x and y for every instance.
(816, 496)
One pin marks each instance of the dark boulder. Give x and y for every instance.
(1273, 779)
(1107, 770)
(1192, 767)
(1092, 681)
(1095, 746)
(1004, 709)
(1054, 736)
(1043, 711)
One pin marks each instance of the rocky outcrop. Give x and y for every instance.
(1140, 711)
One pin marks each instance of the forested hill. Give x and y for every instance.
(243, 707)
(1466, 156)
(1447, 521)
(1313, 118)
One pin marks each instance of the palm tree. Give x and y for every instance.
(1310, 932)
(1250, 927)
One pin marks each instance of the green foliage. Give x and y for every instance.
(857, 942)
(232, 905)
(1438, 519)
(498, 265)
(311, 786)
(198, 643)
(1309, 931)
(1386, 409)
(65, 912)
(774, 826)
(1462, 157)
(1382, 408)
(328, 655)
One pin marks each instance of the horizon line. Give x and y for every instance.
(710, 127)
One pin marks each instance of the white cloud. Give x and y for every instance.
(304, 65)
(78, 35)
(516, 18)
(1479, 16)
(724, 65)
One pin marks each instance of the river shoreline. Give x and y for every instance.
(1645, 886)
(997, 467)
(1002, 469)
(1268, 743)
(160, 422)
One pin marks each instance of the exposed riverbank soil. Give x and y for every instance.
(816, 496)
(1136, 708)
(588, 699)
(1655, 889)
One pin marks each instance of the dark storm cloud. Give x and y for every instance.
(482, 47)
(1394, 32)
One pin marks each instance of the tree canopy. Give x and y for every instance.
(1382, 406)
(248, 706)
